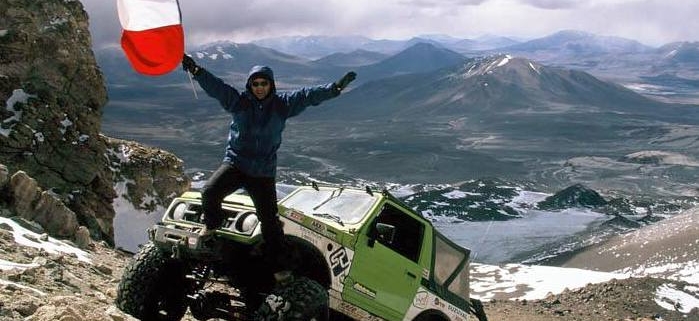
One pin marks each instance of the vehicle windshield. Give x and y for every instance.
(346, 206)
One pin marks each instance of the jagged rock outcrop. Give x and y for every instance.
(573, 196)
(53, 94)
(151, 177)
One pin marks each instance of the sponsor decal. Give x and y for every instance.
(356, 312)
(457, 311)
(339, 261)
(424, 299)
(294, 215)
(438, 303)
(318, 226)
(310, 236)
(351, 310)
(421, 300)
(364, 290)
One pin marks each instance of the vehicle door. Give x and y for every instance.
(385, 272)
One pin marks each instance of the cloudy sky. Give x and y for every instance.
(652, 22)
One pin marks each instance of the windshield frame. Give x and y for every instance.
(351, 206)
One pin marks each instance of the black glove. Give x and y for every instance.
(189, 65)
(345, 80)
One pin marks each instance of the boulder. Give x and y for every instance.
(56, 218)
(24, 192)
(82, 237)
(4, 176)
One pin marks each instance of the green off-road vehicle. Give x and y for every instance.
(359, 255)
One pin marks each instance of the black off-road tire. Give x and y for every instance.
(431, 316)
(301, 299)
(478, 310)
(153, 286)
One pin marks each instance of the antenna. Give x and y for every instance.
(191, 82)
(487, 230)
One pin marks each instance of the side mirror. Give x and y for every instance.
(385, 232)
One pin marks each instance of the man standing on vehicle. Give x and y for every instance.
(259, 117)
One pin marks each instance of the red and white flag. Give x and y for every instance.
(152, 39)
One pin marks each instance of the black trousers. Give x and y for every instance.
(262, 190)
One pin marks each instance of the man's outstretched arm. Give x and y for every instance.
(304, 97)
(212, 85)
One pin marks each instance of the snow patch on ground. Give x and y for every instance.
(530, 282)
(7, 265)
(670, 298)
(525, 282)
(688, 272)
(26, 237)
(527, 199)
(5, 282)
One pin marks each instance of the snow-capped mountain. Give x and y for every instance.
(488, 86)
(680, 52)
(579, 43)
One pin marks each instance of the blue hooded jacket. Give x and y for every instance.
(256, 129)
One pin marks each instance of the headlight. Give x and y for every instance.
(179, 211)
(246, 222)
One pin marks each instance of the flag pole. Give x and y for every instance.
(191, 82)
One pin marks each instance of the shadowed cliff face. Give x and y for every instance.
(53, 93)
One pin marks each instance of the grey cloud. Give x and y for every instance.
(649, 21)
(553, 4)
(223, 17)
(104, 21)
(441, 3)
(256, 17)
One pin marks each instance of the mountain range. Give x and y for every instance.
(430, 114)
(574, 42)
(315, 47)
(619, 59)
(499, 84)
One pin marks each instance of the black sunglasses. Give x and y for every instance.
(260, 83)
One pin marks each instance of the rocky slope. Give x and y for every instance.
(667, 249)
(55, 94)
(628, 300)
